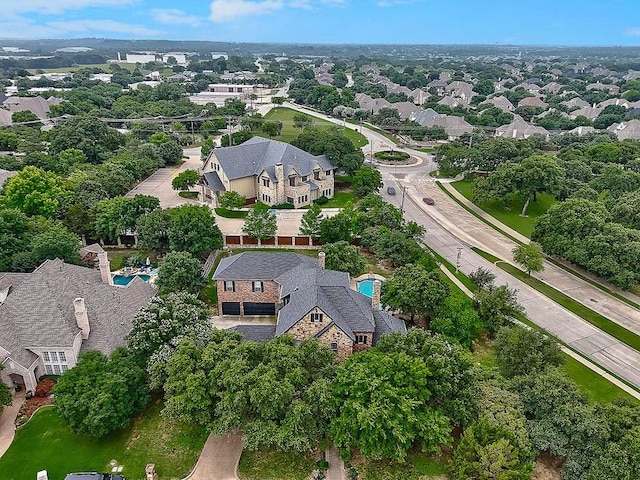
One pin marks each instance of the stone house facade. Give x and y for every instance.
(267, 171)
(307, 300)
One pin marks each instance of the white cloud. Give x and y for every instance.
(633, 32)
(230, 10)
(58, 6)
(91, 26)
(392, 3)
(174, 16)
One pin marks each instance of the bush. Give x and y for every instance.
(44, 387)
(284, 206)
(321, 200)
(392, 156)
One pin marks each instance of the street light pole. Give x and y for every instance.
(458, 255)
(404, 190)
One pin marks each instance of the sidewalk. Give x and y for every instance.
(7, 421)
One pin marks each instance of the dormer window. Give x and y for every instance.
(362, 339)
(316, 175)
(292, 181)
(305, 178)
(265, 182)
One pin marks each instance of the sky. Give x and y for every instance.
(543, 22)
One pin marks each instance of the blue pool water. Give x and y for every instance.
(125, 280)
(365, 287)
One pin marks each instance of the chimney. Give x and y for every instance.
(321, 259)
(375, 298)
(82, 319)
(105, 268)
(280, 186)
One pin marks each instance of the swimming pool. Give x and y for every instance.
(365, 287)
(123, 280)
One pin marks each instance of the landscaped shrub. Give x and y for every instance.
(284, 206)
(321, 200)
(44, 387)
(392, 156)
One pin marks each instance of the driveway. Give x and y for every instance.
(159, 184)
(219, 459)
(7, 422)
(336, 465)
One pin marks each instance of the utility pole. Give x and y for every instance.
(229, 130)
(404, 190)
(458, 255)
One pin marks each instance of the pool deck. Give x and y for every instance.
(365, 276)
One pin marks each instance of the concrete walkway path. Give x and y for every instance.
(336, 469)
(7, 421)
(219, 459)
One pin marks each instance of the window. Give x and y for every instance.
(303, 198)
(316, 175)
(257, 287)
(265, 182)
(327, 173)
(292, 181)
(55, 363)
(305, 178)
(334, 346)
(362, 339)
(229, 286)
(290, 200)
(316, 317)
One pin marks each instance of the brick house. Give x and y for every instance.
(267, 171)
(50, 316)
(308, 301)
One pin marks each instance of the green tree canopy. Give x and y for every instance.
(331, 142)
(260, 223)
(34, 192)
(344, 257)
(529, 256)
(185, 180)
(366, 180)
(193, 229)
(311, 221)
(232, 200)
(180, 272)
(522, 351)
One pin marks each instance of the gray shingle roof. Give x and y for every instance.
(256, 333)
(213, 180)
(258, 154)
(309, 286)
(38, 312)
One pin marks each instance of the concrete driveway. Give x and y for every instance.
(219, 459)
(159, 184)
(7, 421)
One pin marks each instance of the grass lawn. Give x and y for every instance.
(274, 465)
(510, 217)
(340, 199)
(45, 443)
(417, 466)
(226, 213)
(289, 132)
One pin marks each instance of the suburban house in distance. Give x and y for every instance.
(50, 316)
(268, 171)
(309, 301)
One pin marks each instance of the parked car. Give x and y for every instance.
(92, 476)
(391, 190)
(428, 201)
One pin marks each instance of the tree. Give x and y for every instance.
(193, 229)
(523, 351)
(185, 180)
(25, 116)
(55, 242)
(529, 256)
(170, 152)
(180, 272)
(271, 129)
(165, 321)
(415, 291)
(153, 231)
(15, 230)
(34, 192)
(101, 394)
(483, 278)
(497, 307)
(488, 451)
(311, 221)
(344, 257)
(396, 247)
(260, 223)
(116, 215)
(89, 134)
(457, 321)
(301, 120)
(5, 394)
(232, 200)
(367, 180)
(338, 228)
(383, 406)
(278, 100)
(340, 151)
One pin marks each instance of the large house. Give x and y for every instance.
(50, 316)
(268, 171)
(309, 301)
